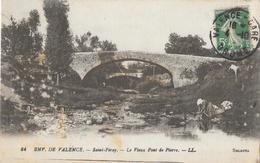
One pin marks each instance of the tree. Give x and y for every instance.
(94, 43)
(107, 46)
(22, 37)
(21, 43)
(86, 43)
(34, 22)
(58, 47)
(191, 45)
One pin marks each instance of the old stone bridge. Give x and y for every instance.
(136, 75)
(181, 68)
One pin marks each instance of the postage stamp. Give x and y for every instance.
(235, 33)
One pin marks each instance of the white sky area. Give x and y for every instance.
(139, 25)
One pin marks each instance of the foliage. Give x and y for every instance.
(89, 43)
(22, 37)
(153, 70)
(123, 82)
(94, 42)
(86, 43)
(58, 47)
(7, 106)
(190, 45)
(107, 46)
(21, 44)
(137, 65)
(145, 87)
(146, 68)
(203, 70)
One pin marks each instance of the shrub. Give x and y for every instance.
(146, 87)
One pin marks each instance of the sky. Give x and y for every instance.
(138, 25)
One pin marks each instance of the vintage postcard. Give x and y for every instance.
(130, 81)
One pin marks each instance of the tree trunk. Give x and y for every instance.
(58, 76)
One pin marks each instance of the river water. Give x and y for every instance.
(131, 136)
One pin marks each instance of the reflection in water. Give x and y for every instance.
(205, 125)
(189, 131)
(186, 135)
(197, 131)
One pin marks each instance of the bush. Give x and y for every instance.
(146, 87)
(206, 68)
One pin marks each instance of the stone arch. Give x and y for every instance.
(71, 78)
(88, 74)
(83, 62)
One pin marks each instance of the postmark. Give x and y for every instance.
(235, 34)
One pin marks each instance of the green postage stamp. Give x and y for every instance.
(235, 34)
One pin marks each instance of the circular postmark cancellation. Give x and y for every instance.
(234, 35)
